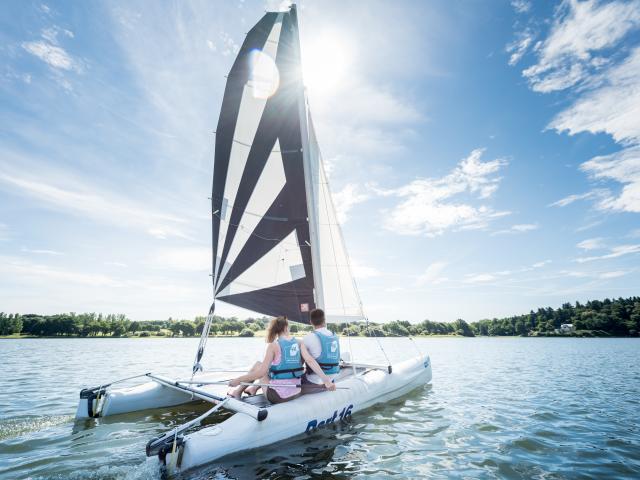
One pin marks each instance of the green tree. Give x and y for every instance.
(247, 332)
(463, 328)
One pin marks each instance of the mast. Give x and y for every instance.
(310, 186)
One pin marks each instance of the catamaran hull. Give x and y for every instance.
(241, 432)
(126, 400)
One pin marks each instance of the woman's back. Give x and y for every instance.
(286, 367)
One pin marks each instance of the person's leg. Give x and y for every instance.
(237, 393)
(254, 389)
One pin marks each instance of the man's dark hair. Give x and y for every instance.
(316, 317)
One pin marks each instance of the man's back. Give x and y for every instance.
(313, 344)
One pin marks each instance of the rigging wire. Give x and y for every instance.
(378, 342)
(416, 345)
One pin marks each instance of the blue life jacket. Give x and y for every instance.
(329, 359)
(290, 365)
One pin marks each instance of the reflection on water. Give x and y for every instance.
(509, 408)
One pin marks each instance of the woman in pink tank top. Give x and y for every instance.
(283, 389)
(292, 389)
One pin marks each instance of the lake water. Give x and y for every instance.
(496, 408)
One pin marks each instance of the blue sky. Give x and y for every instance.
(485, 157)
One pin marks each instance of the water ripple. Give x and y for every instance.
(498, 408)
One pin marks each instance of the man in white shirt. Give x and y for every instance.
(324, 346)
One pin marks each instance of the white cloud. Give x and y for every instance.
(591, 244)
(519, 46)
(580, 30)
(614, 274)
(615, 252)
(588, 226)
(563, 202)
(582, 52)
(277, 5)
(613, 107)
(428, 207)
(541, 264)
(363, 271)
(519, 228)
(365, 103)
(116, 264)
(513, 273)
(521, 6)
(54, 56)
(41, 251)
(594, 275)
(345, 199)
(479, 278)
(22, 268)
(229, 46)
(623, 167)
(61, 289)
(192, 259)
(91, 203)
(432, 275)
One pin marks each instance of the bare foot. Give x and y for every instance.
(252, 390)
(235, 394)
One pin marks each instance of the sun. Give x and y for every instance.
(325, 62)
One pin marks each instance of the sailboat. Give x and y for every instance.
(277, 249)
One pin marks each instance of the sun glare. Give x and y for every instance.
(265, 77)
(325, 61)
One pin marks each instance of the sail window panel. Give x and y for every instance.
(272, 269)
(272, 180)
(223, 209)
(297, 271)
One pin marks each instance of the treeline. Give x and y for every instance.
(617, 317)
(402, 328)
(98, 325)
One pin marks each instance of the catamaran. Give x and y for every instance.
(277, 249)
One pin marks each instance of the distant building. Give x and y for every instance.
(566, 328)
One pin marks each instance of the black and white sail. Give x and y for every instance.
(277, 245)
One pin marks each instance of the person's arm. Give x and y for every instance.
(258, 373)
(311, 362)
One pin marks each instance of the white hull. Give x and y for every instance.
(252, 426)
(124, 400)
(285, 420)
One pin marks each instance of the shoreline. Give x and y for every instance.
(262, 335)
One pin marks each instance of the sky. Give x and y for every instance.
(484, 156)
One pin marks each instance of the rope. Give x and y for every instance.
(379, 344)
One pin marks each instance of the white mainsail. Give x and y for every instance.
(341, 300)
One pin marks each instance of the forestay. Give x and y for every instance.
(278, 248)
